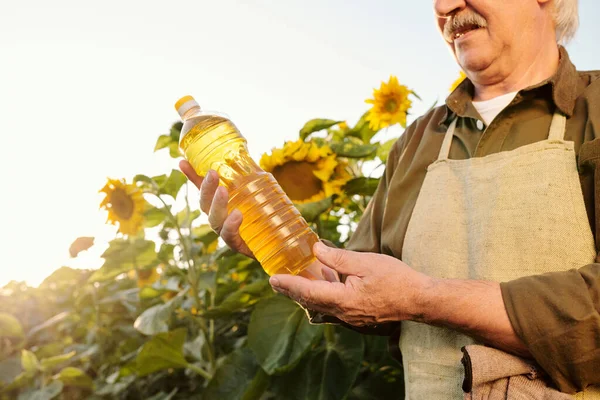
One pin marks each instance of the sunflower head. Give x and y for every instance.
(125, 205)
(306, 172)
(457, 82)
(146, 277)
(390, 105)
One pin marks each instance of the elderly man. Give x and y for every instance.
(498, 185)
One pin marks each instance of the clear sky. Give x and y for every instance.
(86, 88)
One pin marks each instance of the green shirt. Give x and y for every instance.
(556, 315)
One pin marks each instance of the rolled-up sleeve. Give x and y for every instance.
(557, 315)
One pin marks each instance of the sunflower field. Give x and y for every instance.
(174, 314)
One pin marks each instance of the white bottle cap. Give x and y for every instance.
(185, 104)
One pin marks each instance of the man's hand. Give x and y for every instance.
(377, 288)
(213, 201)
(380, 289)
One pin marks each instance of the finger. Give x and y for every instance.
(317, 295)
(230, 232)
(218, 209)
(329, 274)
(343, 261)
(191, 174)
(207, 190)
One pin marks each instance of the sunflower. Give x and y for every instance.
(305, 171)
(390, 105)
(457, 82)
(125, 204)
(146, 277)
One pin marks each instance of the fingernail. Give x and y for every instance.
(321, 248)
(274, 282)
(209, 177)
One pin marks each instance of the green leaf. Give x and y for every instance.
(75, 377)
(51, 362)
(176, 131)
(238, 377)
(162, 142)
(58, 318)
(326, 374)
(315, 125)
(143, 178)
(29, 361)
(174, 151)
(155, 319)
(10, 327)
(186, 216)
(124, 255)
(241, 299)
(351, 149)
(362, 130)
(204, 234)
(384, 150)
(153, 217)
(164, 396)
(45, 393)
(9, 370)
(363, 186)
(311, 211)
(163, 351)
(279, 334)
(173, 183)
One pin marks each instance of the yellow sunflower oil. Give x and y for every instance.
(272, 227)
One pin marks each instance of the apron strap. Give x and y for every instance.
(445, 150)
(558, 126)
(557, 132)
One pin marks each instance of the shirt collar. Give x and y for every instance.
(564, 84)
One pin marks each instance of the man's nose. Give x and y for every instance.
(445, 8)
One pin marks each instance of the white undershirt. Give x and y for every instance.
(489, 109)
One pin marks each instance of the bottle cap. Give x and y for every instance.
(185, 104)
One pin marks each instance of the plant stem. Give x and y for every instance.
(211, 351)
(329, 334)
(186, 251)
(200, 371)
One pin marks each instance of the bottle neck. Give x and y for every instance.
(190, 113)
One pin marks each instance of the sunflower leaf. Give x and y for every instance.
(10, 327)
(174, 151)
(173, 183)
(186, 216)
(311, 211)
(315, 125)
(75, 377)
(350, 149)
(163, 351)
(176, 131)
(155, 319)
(153, 217)
(362, 130)
(241, 299)
(162, 142)
(384, 150)
(362, 186)
(124, 255)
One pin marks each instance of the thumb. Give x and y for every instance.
(343, 261)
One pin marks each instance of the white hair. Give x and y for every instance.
(566, 19)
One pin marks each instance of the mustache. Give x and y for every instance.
(458, 21)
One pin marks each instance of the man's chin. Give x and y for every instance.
(473, 58)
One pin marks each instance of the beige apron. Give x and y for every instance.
(497, 218)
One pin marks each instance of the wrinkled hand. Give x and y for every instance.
(213, 201)
(377, 288)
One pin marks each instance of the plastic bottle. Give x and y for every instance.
(272, 227)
